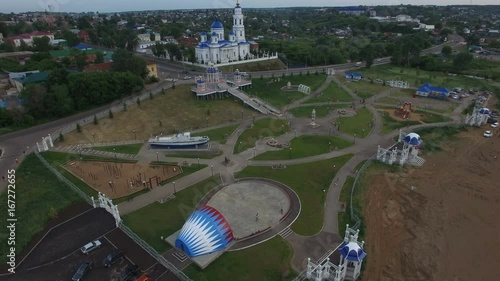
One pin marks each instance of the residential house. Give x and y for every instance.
(170, 40)
(146, 37)
(357, 11)
(152, 69)
(84, 36)
(27, 38)
(21, 57)
(29, 78)
(100, 67)
(91, 54)
(429, 91)
(188, 41)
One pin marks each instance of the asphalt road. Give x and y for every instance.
(14, 144)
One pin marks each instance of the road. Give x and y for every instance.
(13, 145)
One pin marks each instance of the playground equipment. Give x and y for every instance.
(404, 110)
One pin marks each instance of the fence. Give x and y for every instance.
(154, 253)
(63, 179)
(359, 172)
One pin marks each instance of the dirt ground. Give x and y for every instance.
(117, 180)
(440, 221)
(413, 116)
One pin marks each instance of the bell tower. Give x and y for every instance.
(238, 24)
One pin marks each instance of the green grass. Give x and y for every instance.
(434, 137)
(268, 261)
(267, 127)
(321, 110)
(186, 171)
(309, 182)
(359, 124)
(305, 146)
(219, 134)
(37, 192)
(156, 220)
(365, 89)
(433, 118)
(390, 124)
(345, 195)
(126, 149)
(272, 93)
(332, 93)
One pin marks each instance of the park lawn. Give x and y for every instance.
(309, 181)
(321, 110)
(434, 137)
(332, 93)
(390, 124)
(38, 192)
(344, 218)
(156, 220)
(365, 89)
(359, 125)
(269, 89)
(433, 117)
(267, 261)
(218, 135)
(177, 110)
(126, 149)
(272, 64)
(186, 171)
(305, 146)
(267, 127)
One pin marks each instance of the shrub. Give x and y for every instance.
(78, 128)
(110, 113)
(96, 121)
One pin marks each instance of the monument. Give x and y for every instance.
(313, 120)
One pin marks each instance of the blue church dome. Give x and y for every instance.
(217, 24)
(413, 139)
(205, 231)
(484, 110)
(352, 251)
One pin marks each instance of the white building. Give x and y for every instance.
(146, 37)
(218, 49)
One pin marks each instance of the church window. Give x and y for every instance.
(240, 21)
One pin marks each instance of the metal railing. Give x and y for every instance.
(162, 260)
(64, 179)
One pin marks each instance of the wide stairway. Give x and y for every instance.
(254, 103)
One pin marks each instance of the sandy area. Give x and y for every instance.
(117, 180)
(440, 221)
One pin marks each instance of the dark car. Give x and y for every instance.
(113, 257)
(130, 271)
(82, 271)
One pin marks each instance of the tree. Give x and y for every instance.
(124, 106)
(41, 44)
(99, 57)
(96, 121)
(124, 61)
(71, 38)
(367, 55)
(462, 60)
(150, 95)
(138, 101)
(61, 137)
(447, 50)
(34, 96)
(110, 113)
(78, 128)
(174, 51)
(58, 102)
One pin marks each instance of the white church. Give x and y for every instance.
(219, 50)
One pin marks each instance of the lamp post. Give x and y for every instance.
(135, 136)
(93, 136)
(295, 133)
(363, 133)
(157, 157)
(242, 114)
(212, 168)
(329, 146)
(282, 129)
(354, 138)
(206, 120)
(254, 151)
(290, 153)
(198, 163)
(238, 133)
(114, 151)
(174, 188)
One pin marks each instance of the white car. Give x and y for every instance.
(187, 77)
(87, 248)
(494, 125)
(488, 134)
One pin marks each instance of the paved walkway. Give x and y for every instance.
(314, 246)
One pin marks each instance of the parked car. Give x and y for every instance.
(494, 125)
(87, 248)
(488, 134)
(113, 257)
(187, 77)
(129, 272)
(82, 271)
(492, 120)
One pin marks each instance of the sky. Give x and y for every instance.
(7, 6)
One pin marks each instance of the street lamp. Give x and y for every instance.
(282, 129)
(354, 138)
(198, 163)
(329, 146)
(363, 133)
(295, 132)
(114, 151)
(174, 188)
(290, 153)
(254, 151)
(238, 132)
(135, 136)
(212, 168)
(242, 114)
(93, 136)
(157, 157)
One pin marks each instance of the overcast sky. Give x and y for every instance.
(8, 6)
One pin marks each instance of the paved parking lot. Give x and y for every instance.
(58, 255)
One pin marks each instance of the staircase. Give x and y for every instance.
(256, 104)
(417, 161)
(285, 232)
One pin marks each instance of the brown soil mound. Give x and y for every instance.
(438, 222)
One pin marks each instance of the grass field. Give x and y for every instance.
(268, 261)
(156, 220)
(271, 91)
(310, 181)
(345, 196)
(434, 137)
(304, 146)
(274, 64)
(219, 134)
(321, 110)
(365, 89)
(177, 110)
(267, 127)
(390, 124)
(127, 149)
(38, 194)
(359, 125)
(332, 93)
